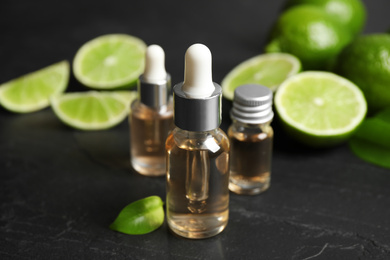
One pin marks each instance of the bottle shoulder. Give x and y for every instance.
(214, 140)
(248, 132)
(142, 111)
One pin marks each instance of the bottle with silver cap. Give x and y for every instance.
(251, 138)
(151, 116)
(197, 202)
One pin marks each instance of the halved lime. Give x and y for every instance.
(269, 70)
(110, 61)
(93, 110)
(320, 108)
(32, 91)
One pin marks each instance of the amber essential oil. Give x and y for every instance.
(251, 156)
(197, 183)
(149, 130)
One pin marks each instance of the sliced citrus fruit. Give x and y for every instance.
(269, 70)
(93, 110)
(110, 61)
(320, 108)
(32, 91)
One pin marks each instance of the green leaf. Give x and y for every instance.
(140, 217)
(371, 142)
(384, 115)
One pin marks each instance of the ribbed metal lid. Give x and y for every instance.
(252, 104)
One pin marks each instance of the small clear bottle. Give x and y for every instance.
(251, 139)
(151, 116)
(197, 201)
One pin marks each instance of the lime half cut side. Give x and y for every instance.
(32, 91)
(320, 108)
(93, 110)
(269, 70)
(110, 61)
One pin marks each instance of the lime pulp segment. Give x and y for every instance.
(32, 91)
(320, 103)
(110, 61)
(269, 70)
(92, 110)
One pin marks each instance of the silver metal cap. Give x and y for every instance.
(197, 114)
(154, 94)
(252, 104)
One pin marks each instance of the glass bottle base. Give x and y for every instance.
(198, 227)
(153, 166)
(246, 187)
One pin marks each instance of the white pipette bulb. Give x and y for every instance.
(198, 82)
(154, 64)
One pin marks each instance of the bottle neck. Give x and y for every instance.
(195, 134)
(246, 125)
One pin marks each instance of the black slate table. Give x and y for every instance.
(60, 188)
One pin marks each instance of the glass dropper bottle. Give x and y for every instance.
(197, 201)
(151, 116)
(251, 139)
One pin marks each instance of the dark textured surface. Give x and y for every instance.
(60, 188)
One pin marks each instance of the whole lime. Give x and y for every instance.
(366, 62)
(309, 33)
(350, 13)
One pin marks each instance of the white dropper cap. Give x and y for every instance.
(154, 64)
(198, 82)
(155, 83)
